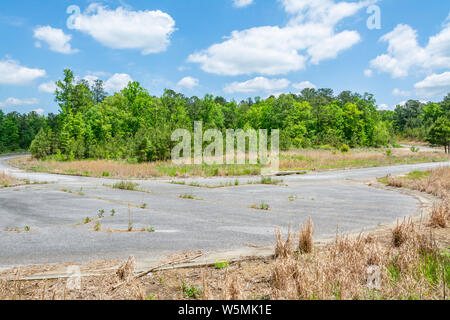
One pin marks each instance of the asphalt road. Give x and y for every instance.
(217, 220)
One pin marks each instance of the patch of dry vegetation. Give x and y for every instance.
(289, 161)
(357, 158)
(376, 266)
(7, 181)
(435, 182)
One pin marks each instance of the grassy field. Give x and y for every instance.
(301, 160)
(409, 261)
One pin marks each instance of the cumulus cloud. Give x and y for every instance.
(433, 85)
(242, 3)
(402, 93)
(117, 82)
(405, 53)
(188, 82)
(57, 40)
(304, 85)
(148, 31)
(47, 87)
(12, 73)
(257, 84)
(309, 36)
(12, 102)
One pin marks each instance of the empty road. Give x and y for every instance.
(218, 219)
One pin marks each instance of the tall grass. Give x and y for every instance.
(7, 181)
(291, 160)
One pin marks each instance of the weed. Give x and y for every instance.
(113, 213)
(269, 180)
(126, 185)
(440, 215)
(262, 206)
(151, 229)
(97, 226)
(400, 233)
(191, 292)
(27, 229)
(187, 196)
(305, 242)
(87, 220)
(221, 265)
(101, 214)
(345, 148)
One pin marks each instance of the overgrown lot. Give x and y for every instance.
(410, 260)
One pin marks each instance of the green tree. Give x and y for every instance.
(439, 134)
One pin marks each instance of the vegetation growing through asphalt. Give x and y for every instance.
(125, 185)
(262, 206)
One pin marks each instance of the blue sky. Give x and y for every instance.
(232, 48)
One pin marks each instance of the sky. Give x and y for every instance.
(395, 49)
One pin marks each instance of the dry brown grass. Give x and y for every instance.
(400, 233)
(305, 241)
(440, 215)
(362, 267)
(7, 181)
(435, 182)
(357, 158)
(292, 160)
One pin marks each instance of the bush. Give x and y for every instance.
(41, 146)
(345, 148)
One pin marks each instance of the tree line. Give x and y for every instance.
(134, 125)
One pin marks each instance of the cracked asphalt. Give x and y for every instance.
(219, 219)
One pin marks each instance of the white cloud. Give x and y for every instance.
(402, 93)
(55, 38)
(148, 31)
(47, 87)
(304, 85)
(12, 102)
(39, 111)
(404, 52)
(384, 106)
(309, 36)
(433, 85)
(117, 82)
(12, 73)
(257, 84)
(368, 73)
(91, 79)
(188, 82)
(242, 3)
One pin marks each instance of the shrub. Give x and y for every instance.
(345, 148)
